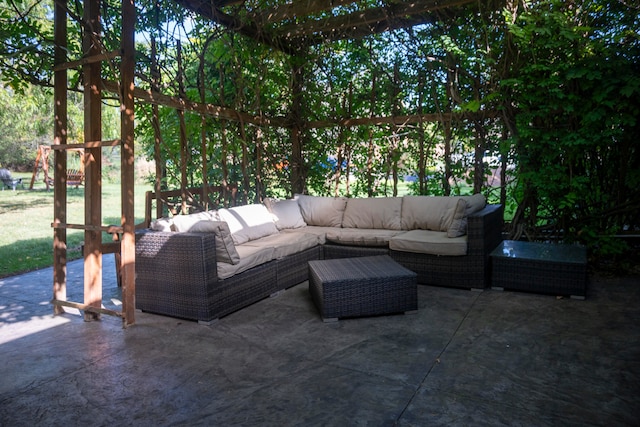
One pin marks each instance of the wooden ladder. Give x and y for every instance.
(94, 248)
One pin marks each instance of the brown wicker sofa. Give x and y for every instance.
(207, 265)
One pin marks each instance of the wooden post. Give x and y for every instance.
(60, 137)
(93, 161)
(296, 164)
(155, 121)
(183, 132)
(127, 245)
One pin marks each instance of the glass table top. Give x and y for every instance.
(540, 251)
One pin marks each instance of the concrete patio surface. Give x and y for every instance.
(465, 358)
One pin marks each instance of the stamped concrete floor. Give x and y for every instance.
(466, 358)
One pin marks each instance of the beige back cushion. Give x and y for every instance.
(427, 212)
(286, 213)
(373, 212)
(322, 211)
(475, 203)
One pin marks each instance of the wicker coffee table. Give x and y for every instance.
(363, 286)
(540, 267)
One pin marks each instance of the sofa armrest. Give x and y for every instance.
(175, 273)
(484, 230)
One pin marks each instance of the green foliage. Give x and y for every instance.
(577, 92)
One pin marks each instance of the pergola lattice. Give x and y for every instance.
(288, 27)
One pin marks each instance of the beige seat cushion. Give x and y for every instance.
(250, 256)
(373, 212)
(285, 244)
(361, 236)
(429, 242)
(319, 232)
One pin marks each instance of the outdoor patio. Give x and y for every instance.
(466, 358)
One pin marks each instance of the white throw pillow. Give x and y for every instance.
(248, 222)
(286, 213)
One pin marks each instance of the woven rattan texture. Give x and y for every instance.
(363, 286)
(332, 251)
(293, 269)
(550, 273)
(471, 271)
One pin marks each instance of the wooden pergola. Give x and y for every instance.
(288, 27)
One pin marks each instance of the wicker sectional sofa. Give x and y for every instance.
(204, 266)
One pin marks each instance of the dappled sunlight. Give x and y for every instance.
(12, 327)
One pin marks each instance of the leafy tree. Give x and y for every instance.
(576, 91)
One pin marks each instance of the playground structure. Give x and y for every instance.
(75, 177)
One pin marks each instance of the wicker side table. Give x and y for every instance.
(540, 267)
(362, 286)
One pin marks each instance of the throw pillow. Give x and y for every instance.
(225, 249)
(458, 226)
(248, 222)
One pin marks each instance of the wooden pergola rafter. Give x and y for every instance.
(293, 27)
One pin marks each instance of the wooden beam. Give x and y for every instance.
(403, 14)
(216, 111)
(92, 160)
(402, 120)
(87, 60)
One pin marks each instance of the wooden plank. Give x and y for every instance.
(60, 161)
(88, 60)
(126, 260)
(88, 144)
(216, 111)
(92, 161)
(92, 309)
(94, 228)
(402, 120)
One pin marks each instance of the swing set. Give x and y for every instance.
(75, 177)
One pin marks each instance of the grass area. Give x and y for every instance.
(26, 236)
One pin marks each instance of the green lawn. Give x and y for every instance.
(26, 236)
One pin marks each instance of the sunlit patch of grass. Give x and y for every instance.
(26, 236)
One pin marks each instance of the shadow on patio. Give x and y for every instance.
(466, 358)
